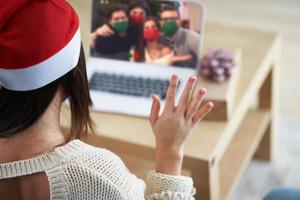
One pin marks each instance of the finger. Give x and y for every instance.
(106, 33)
(171, 93)
(110, 32)
(202, 112)
(195, 103)
(102, 32)
(187, 92)
(99, 31)
(154, 115)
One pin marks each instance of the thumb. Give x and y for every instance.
(154, 115)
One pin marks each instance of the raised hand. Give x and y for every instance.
(175, 124)
(103, 31)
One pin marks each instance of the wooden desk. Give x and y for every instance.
(218, 152)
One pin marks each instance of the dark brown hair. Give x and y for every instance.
(114, 8)
(20, 110)
(169, 8)
(141, 44)
(140, 5)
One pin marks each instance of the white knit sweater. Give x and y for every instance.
(79, 171)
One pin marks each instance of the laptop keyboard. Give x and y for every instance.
(129, 85)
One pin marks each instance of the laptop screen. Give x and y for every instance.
(164, 33)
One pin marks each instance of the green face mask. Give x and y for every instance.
(121, 26)
(170, 28)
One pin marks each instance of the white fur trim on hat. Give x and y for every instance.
(41, 74)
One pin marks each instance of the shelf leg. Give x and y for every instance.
(206, 178)
(268, 99)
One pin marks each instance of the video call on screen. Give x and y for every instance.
(164, 33)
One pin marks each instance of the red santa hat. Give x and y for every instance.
(39, 42)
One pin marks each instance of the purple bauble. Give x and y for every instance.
(217, 65)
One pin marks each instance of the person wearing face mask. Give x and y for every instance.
(184, 42)
(137, 14)
(115, 46)
(148, 49)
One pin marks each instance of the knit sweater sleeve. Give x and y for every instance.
(167, 187)
(126, 186)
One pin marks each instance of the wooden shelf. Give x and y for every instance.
(241, 149)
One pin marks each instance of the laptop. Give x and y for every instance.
(137, 46)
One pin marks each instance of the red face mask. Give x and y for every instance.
(151, 34)
(136, 18)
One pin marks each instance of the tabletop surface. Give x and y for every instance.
(256, 46)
